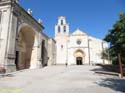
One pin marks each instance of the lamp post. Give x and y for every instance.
(103, 50)
(67, 53)
(89, 50)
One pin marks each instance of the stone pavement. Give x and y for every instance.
(59, 79)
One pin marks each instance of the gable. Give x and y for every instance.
(78, 32)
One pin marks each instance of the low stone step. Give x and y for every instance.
(108, 73)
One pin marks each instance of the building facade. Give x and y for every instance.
(77, 48)
(23, 45)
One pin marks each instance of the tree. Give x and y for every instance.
(116, 38)
(105, 54)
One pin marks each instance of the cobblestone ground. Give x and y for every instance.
(61, 79)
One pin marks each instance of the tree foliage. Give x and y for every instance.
(116, 38)
(105, 54)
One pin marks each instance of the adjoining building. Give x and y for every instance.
(23, 45)
(77, 48)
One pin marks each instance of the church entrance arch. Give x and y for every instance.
(79, 57)
(24, 46)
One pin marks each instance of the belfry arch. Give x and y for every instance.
(79, 57)
(24, 46)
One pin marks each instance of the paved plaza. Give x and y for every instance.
(61, 79)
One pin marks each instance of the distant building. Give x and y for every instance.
(77, 48)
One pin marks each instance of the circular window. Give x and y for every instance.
(78, 42)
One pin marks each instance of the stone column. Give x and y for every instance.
(35, 58)
(10, 46)
(39, 59)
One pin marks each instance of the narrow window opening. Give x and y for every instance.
(61, 22)
(64, 28)
(62, 46)
(59, 29)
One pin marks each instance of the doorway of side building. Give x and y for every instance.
(24, 47)
(79, 57)
(44, 54)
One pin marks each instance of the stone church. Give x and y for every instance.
(77, 48)
(23, 44)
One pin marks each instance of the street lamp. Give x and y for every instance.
(103, 50)
(89, 50)
(67, 53)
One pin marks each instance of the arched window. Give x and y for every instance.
(58, 28)
(61, 22)
(64, 28)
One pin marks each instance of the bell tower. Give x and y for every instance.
(61, 38)
(61, 28)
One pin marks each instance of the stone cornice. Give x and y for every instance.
(45, 35)
(77, 47)
(25, 17)
(7, 2)
(22, 14)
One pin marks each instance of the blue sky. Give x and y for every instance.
(95, 17)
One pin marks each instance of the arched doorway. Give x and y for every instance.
(24, 45)
(79, 57)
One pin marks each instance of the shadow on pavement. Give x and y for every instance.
(6, 75)
(110, 68)
(115, 84)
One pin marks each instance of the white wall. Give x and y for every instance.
(4, 30)
(51, 52)
(95, 46)
(61, 43)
